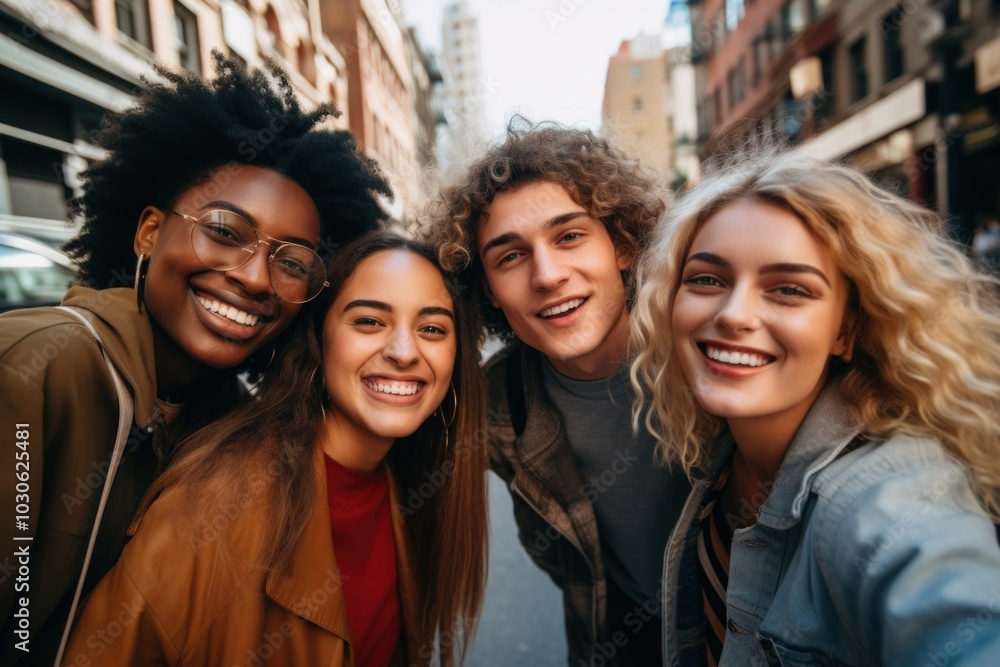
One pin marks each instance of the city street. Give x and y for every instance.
(522, 621)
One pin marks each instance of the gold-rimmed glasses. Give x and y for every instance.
(224, 240)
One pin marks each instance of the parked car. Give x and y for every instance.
(32, 272)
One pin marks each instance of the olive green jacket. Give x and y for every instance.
(58, 424)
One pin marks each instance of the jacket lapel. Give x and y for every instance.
(310, 586)
(410, 594)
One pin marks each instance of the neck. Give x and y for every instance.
(353, 450)
(176, 372)
(761, 445)
(604, 361)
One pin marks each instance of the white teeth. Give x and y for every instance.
(740, 359)
(561, 308)
(229, 312)
(394, 388)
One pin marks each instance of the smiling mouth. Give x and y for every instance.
(228, 311)
(394, 387)
(562, 308)
(734, 357)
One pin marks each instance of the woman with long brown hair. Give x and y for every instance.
(337, 519)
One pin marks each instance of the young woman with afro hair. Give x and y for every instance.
(203, 231)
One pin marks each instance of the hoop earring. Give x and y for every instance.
(140, 281)
(454, 412)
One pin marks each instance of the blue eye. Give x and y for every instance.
(792, 290)
(707, 280)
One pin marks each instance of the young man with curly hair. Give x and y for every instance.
(546, 227)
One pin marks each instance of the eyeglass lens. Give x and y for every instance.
(224, 240)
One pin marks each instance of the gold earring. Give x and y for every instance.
(454, 414)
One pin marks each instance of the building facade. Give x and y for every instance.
(908, 90)
(649, 107)
(63, 63)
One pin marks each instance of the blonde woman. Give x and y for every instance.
(824, 364)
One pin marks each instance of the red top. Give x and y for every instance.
(360, 516)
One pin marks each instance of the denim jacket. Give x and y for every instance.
(879, 555)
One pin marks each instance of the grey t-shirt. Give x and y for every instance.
(636, 504)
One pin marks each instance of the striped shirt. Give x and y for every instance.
(714, 542)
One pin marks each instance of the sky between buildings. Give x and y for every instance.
(545, 59)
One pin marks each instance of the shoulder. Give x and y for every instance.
(194, 549)
(904, 548)
(887, 498)
(43, 335)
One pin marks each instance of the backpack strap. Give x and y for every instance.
(125, 416)
(515, 391)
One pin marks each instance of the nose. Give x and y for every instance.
(401, 348)
(548, 272)
(254, 274)
(740, 312)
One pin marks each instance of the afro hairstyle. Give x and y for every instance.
(183, 130)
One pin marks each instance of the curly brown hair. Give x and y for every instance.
(609, 185)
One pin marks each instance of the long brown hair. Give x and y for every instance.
(441, 477)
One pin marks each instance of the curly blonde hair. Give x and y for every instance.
(927, 354)
(610, 186)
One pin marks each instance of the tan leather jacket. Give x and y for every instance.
(187, 592)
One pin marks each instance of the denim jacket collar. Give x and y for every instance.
(829, 422)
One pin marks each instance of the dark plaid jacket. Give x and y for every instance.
(556, 523)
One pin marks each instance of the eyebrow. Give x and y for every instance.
(242, 212)
(781, 267)
(504, 239)
(383, 306)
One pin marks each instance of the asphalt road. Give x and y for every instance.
(522, 621)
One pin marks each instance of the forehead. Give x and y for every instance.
(275, 204)
(525, 210)
(398, 277)
(760, 232)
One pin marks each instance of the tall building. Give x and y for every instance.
(647, 92)
(463, 91)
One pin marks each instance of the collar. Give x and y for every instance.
(826, 432)
(310, 585)
(128, 339)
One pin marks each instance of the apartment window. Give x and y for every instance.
(637, 107)
(186, 28)
(858, 69)
(817, 7)
(133, 20)
(891, 26)
(776, 32)
(823, 102)
(635, 72)
(734, 14)
(761, 50)
(737, 84)
(793, 18)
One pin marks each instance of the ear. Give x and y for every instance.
(150, 221)
(625, 257)
(843, 346)
(489, 294)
